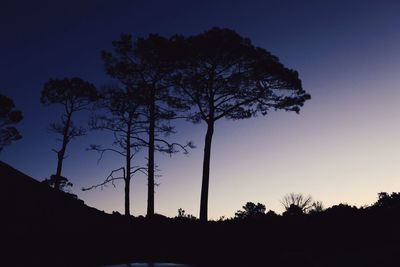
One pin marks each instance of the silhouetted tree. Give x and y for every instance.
(250, 210)
(297, 202)
(148, 63)
(122, 119)
(63, 183)
(223, 75)
(8, 117)
(75, 95)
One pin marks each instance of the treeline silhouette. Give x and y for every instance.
(47, 227)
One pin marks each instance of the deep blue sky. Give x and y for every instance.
(342, 147)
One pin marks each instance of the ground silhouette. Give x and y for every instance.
(46, 227)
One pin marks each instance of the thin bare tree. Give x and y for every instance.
(121, 117)
(148, 63)
(74, 95)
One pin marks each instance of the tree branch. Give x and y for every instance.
(100, 150)
(110, 179)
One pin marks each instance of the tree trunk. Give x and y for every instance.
(127, 200)
(206, 173)
(150, 171)
(128, 171)
(61, 152)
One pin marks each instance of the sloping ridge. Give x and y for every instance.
(28, 201)
(47, 227)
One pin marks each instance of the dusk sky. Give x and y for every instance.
(343, 147)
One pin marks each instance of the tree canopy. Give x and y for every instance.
(8, 117)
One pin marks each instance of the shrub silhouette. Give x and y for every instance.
(292, 202)
(341, 210)
(387, 201)
(293, 210)
(250, 210)
(182, 215)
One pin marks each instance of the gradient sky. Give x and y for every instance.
(342, 148)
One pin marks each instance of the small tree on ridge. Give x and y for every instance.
(74, 95)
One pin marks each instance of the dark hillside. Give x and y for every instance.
(43, 227)
(27, 200)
